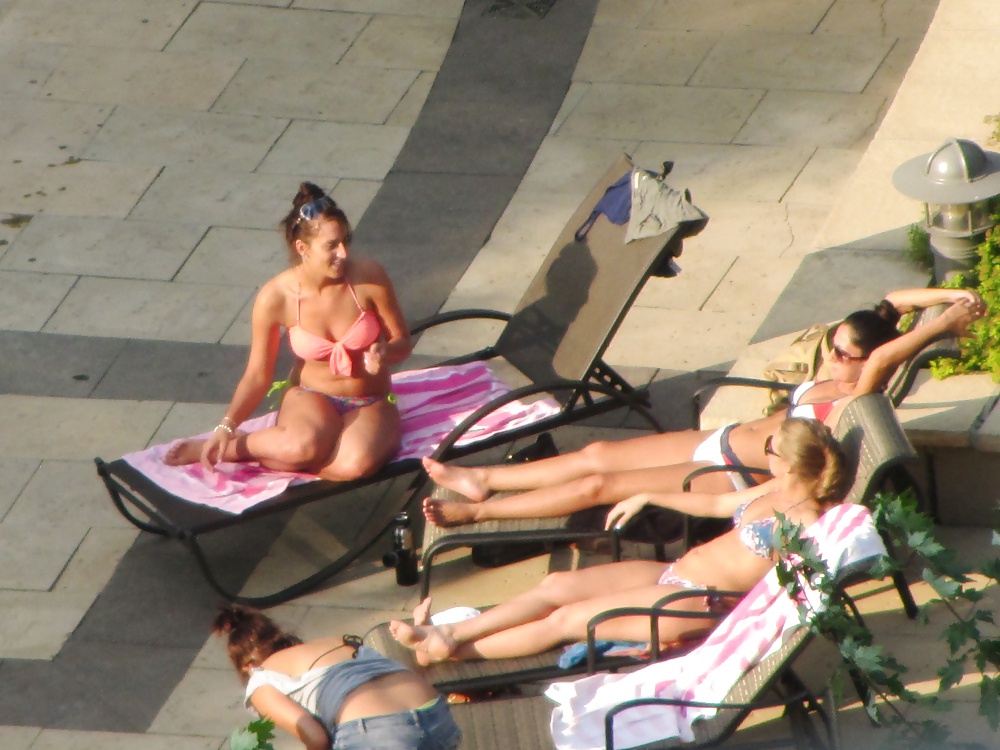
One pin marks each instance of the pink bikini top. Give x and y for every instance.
(364, 332)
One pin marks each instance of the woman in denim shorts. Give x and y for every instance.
(332, 693)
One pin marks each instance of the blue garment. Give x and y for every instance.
(424, 729)
(577, 653)
(616, 204)
(757, 536)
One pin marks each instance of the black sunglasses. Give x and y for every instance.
(769, 447)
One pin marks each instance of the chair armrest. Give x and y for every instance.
(746, 472)
(728, 380)
(453, 315)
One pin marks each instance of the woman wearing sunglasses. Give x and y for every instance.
(866, 350)
(344, 323)
(809, 478)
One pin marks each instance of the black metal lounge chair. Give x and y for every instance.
(555, 339)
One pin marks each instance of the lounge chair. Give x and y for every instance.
(555, 339)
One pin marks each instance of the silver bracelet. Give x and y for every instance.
(227, 428)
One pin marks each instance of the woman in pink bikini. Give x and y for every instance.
(867, 349)
(343, 321)
(809, 478)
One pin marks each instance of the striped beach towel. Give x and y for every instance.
(845, 535)
(431, 403)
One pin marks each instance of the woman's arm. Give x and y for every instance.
(396, 345)
(882, 362)
(907, 300)
(290, 716)
(701, 504)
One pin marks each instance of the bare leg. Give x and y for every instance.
(556, 590)
(588, 492)
(369, 440)
(644, 452)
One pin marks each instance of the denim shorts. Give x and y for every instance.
(427, 729)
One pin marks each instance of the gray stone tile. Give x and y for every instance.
(90, 568)
(344, 149)
(174, 137)
(40, 364)
(660, 113)
(206, 702)
(27, 300)
(642, 56)
(24, 67)
(801, 62)
(35, 624)
(102, 246)
(734, 15)
(143, 24)
(573, 165)
(51, 428)
(66, 493)
(141, 78)
(148, 310)
(53, 739)
(807, 118)
(894, 18)
(312, 37)
(32, 555)
(627, 14)
(185, 420)
(73, 188)
(428, 8)
(354, 196)
(14, 475)
(18, 738)
(406, 112)
(241, 257)
(277, 87)
(47, 131)
(826, 172)
(410, 43)
(744, 290)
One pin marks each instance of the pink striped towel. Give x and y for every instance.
(431, 403)
(845, 534)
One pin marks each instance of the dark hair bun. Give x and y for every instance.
(887, 312)
(229, 618)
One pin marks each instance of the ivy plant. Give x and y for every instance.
(257, 735)
(972, 644)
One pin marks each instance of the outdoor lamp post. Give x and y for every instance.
(955, 183)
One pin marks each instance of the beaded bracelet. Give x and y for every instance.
(227, 428)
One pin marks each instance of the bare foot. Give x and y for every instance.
(183, 452)
(449, 513)
(433, 642)
(466, 481)
(422, 616)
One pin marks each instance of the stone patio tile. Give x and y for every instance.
(66, 493)
(406, 112)
(142, 78)
(744, 289)
(32, 555)
(642, 56)
(366, 591)
(14, 475)
(826, 173)
(344, 93)
(573, 165)
(626, 14)
(238, 334)
(18, 738)
(27, 300)
(174, 137)
(893, 18)
(102, 246)
(804, 62)
(577, 90)
(24, 67)
(346, 150)
(734, 15)
(969, 15)
(80, 188)
(45, 130)
(143, 24)
(702, 268)
(808, 118)
(428, 8)
(184, 420)
(51, 428)
(943, 413)
(660, 113)
(35, 624)
(207, 702)
(214, 197)
(805, 221)
(313, 38)
(410, 43)
(732, 173)
(55, 739)
(149, 309)
(91, 567)
(354, 196)
(323, 622)
(241, 257)
(680, 339)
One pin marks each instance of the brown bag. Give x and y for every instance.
(805, 359)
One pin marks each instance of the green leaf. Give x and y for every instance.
(243, 739)
(989, 700)
(951, 673)
(944, 587)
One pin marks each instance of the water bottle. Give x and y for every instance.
(403, 557)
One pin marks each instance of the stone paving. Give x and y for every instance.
(150, 146)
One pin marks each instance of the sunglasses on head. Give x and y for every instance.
(769, 447)
(314, 209)
(842, 356)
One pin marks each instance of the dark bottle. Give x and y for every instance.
(403, 557)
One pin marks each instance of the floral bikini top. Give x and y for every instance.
(364, 332)
(757, 536)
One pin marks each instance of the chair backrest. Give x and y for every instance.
(874, 443)
(946, 346)
(580, 295)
